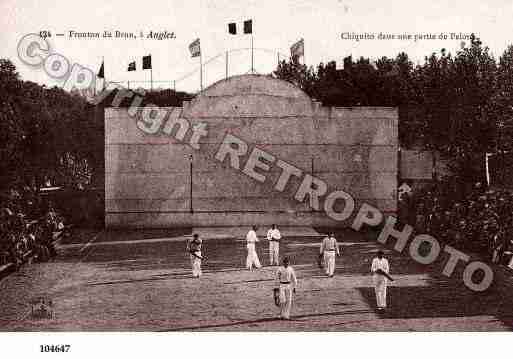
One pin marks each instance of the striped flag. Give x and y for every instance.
(298, 49)
(195, 48)
(101, 72)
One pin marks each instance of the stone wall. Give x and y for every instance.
(148, 181)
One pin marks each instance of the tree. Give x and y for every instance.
(297, 74)
(39, 127)
(11, 133)
(461, 106)
(503, 101)
(473, 114)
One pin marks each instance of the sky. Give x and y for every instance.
(277, 24)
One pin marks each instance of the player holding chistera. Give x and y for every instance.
(380, 277)
(274, 236)
(287, 283)
(194, 249)
(252, 258)
(329, 248)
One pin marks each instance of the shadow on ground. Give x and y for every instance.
(130, 266)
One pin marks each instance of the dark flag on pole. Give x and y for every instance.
(131, 66)
(101, 72)
(146, 62)
(248, 26)
(232, 28)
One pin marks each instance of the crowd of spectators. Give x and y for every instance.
(28, 226)
(479, 220)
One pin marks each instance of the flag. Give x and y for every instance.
(101, 72)
(298, 49)
(146, 62)
(195, 48)
(232, 28)
(248, 26)
(131, 66)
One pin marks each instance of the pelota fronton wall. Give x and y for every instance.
(147, 176)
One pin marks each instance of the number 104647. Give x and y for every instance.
(62, 348)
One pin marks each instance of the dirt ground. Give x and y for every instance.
(141, 281)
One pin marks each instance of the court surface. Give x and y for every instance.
(141, 281)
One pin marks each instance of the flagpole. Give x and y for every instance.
(201, 71)
(104, 79)
(190, 186)
(252, 68)
(94, 94)
(311, 204)
(95, 84)
(487, 169)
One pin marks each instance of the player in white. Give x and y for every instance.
(252, 258)
(194, 249)
(274, 236)
(287, 282)
(329, 248)
(378, 268)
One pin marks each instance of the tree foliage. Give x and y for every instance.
(460, 105)
(50, 134)
(40, 127)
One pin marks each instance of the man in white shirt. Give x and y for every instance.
(287, 282)
(194, 249)
(274, 236)
(252, 258)
(329, 247)
(379, 266)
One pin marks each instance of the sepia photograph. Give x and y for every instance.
(290, 166)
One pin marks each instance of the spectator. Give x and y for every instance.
(479, 221)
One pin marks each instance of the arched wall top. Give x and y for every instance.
(250, 95)
(254, 84)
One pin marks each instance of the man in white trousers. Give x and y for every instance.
(329, 248)
(379, 266)
(287, 282)
(194, 249)
(252, 258)
(274, 236)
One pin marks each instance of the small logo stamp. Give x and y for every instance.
(41, 308)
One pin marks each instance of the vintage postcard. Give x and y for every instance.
(255, 166)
